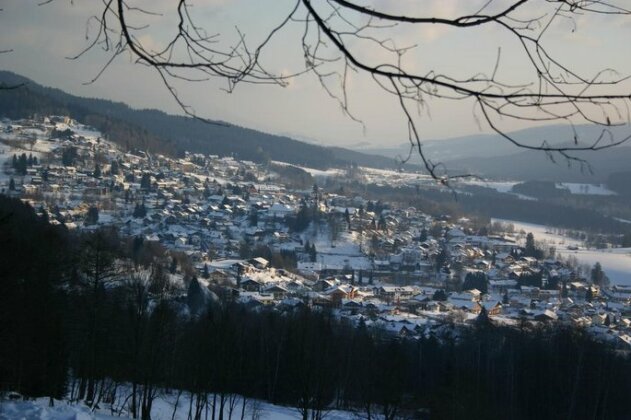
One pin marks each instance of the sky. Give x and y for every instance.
(43, 37)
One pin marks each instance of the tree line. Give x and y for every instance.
(82, 314)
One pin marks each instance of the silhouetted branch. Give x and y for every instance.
(342, 38)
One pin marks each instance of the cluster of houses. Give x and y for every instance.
(248, 232)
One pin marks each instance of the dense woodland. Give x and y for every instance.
(78, 317)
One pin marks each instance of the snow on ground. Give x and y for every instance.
(85, 131)
(10, 147)
(499, 186)
(318, 173)
(39, 409)
(590, 189)
(162, 409)
(616, 262)
(345, 250)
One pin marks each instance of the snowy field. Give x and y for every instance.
(163, 409)
(583, 189)
(616, 262)
(341, 252)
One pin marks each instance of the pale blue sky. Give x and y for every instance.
(41, 38)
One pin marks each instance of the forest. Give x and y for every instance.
(83, 315)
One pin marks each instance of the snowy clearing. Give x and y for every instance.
(163, 409)
(616, 262)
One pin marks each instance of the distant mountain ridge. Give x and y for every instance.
(154, 130)
(490, 155)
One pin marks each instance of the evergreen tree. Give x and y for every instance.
(598, 276)
(254, 217)
(145, 182)
(441, 259)
(531, 249)
(382, 223)
(68, 156)
(11, 184)
(483, 321)
(97, 171)
(439, 296)
(140, 211)
(173, 266)
(92, 216)
(21, 165)
(114, 167)
(206, 273)
(196, 297)
(477, 280)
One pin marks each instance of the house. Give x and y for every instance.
(546, 316)
(338, 293)
(251, 285)
(259, 262)
(277, 291)
(322, 285)
(390, 293)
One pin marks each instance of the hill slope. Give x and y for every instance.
(160, 132)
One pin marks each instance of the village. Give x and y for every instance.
(249, 233)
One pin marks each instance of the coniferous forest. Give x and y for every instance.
(83, 313)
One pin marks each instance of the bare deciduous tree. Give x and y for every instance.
(345, 37)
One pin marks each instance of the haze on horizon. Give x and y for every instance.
(42, 37)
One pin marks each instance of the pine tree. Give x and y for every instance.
(145, 182)
(92, 217)
(598, 276)
(114, 168)
(97, 171)
(206, 273)
(140, 211)
(483, 320)
(173, 266)
(439, 296)
(11, 184)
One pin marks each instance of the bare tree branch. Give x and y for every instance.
(343, 38)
